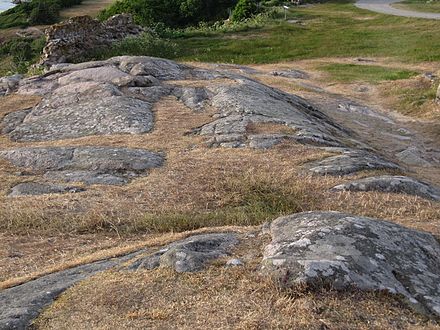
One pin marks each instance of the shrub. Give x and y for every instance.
(244, 9)
(44, 12)
(34, 12)
(171, 13)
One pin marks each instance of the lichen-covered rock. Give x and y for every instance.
(351, 161)
(35, 188)
(392, 184)
(346, 251)
(100, 165)
(190, 254)
(70, 40)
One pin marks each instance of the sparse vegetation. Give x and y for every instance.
(369, 73)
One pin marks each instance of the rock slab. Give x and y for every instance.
(392, 184)
(345, 251)
(91, 165)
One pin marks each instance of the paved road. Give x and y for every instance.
(384, 7)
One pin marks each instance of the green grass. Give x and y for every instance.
(348, 73)
(329, 30)
(432, 6)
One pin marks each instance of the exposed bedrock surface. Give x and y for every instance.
(346, 251)
(117, 96)
(91, 165)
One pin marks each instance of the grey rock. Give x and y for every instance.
(101, 165)
(194, 98)
(12, 120)
(291, 73)
(100, 116)
(9, 84)
(345, 251)
(159, 68)
(150, 94)
(351, 107)
(87, 177)
(35, 188)
(351, 161)
(190, 254)
(412, 156)
(248, 102)
(393, 184)
(21, 304)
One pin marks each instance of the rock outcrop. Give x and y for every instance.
(70, 40)
(91, 165)
(392, 184)
(343, 251)
(116, 96)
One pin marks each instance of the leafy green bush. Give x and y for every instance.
(244, 9)
(34, 12)
(171, 13)
(21, 52)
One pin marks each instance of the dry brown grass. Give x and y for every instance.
(219, 298)
(198, 187)
(55, 256)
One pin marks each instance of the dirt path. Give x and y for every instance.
(384, 7)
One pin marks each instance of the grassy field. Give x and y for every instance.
(336, 29)
(432, 6)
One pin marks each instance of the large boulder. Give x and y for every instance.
(331, 249)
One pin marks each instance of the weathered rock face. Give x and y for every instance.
(191, 254)
(345, 251)
(91, 165)
(393, 184)
(69, 40)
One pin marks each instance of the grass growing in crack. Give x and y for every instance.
(348, 73)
